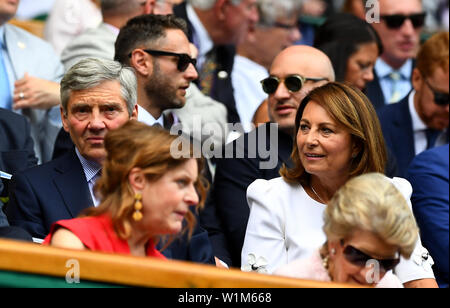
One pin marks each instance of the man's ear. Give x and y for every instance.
(134, 113)
(220, 9)
(417, 80)
(141, 63)
(64, 119)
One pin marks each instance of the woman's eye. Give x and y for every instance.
(303, 127)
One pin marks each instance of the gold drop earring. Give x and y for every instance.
(137, 215)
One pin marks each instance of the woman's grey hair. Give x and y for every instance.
(208, 4)
(370, 202)
(91, 72)
(272, 10)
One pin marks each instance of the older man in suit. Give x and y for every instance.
(91, 107)
(29, 76)
(420, 121)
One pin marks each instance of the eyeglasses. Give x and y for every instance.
(183, 59)
(441, 99)
(396, 21)
(293, 83)
(359, 258)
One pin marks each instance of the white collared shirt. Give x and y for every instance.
(145, 117)
(91, 171)
(419, 127)
(383, 70)
(200, 36)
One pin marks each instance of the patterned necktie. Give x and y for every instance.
(395, 92)
(432, 136)
(207, 72)
(5, 91)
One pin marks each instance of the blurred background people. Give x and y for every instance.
(68, 19)
(368, 225)
(400, 26)
(30, 72)
(353, 47)
(276, 30)
(420, 120)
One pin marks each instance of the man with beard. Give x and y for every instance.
(157, 48)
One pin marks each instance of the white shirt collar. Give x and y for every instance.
(201, 38)
(90, 167)
(383, 69)
(2, 36)
(417, 122)
(113, 29)
(145, 117)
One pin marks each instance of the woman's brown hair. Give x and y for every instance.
(149, 148)
(349, 107)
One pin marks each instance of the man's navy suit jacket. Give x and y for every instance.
(58, 190)
(226, 211)
(396, 123)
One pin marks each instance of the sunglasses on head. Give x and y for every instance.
(396, 21)
(359, 258)
(441, 99)
(293, 83)
(183, 59)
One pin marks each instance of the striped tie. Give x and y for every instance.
(395, 92)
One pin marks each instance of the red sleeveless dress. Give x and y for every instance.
(97, 234)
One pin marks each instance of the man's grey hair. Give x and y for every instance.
(272, 10)
(208, 4)
(91, 72)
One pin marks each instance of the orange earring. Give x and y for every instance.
(137, 215)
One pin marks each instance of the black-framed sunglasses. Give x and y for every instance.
(396, 21)
(293, 83)
(359, 258)
(440, 98)
(183, 59)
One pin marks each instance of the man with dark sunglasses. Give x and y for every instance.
(420, 121)
(399, 28)
(294, 72)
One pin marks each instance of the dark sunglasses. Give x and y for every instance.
(441, 99)
(359, 258)
(293, 83)
(183, 59)
(396, 21)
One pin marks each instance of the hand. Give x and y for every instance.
(32, 92)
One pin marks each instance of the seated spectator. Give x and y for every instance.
(353, 47)
(428, 174)
(338, 137)
(368, 225)
(16, 152)
(145, 194)
(301, 68)
(29, 75)
(97, 96)
(420, 120)
(276, 29)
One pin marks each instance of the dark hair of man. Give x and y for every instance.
(341, 36)
(143, 32)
